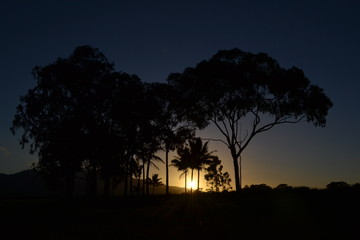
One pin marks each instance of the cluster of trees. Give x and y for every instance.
(244, 94)
(194, 155)
(342, 185)
(333, 186)
(215, 178)
(84, 116)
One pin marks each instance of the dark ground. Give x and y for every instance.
(311, 214)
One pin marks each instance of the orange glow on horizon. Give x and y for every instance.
(192, 184)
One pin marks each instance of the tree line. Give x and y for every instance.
(83, 116)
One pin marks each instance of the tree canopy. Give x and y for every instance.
(84, 116)
(235, 85)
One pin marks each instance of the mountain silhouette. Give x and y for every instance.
(24, 182)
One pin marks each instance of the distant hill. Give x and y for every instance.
(29, 182)
(157, 190)
(161, 190)
(24, 182)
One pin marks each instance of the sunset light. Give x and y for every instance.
(192, 184)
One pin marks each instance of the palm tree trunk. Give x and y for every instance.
(192, 175)
(167, 170)
(131, 183)
(185, 181)
(138, 184)
(147, 177)
(198, 184)
(126, 181)
(143, 174)
(107, 185)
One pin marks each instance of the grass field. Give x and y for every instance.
(313, 214)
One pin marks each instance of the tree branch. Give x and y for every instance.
(216, 140)
(221, 130)
(226, 129)
(265, 127)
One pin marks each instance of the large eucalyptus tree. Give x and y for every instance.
(235, 87)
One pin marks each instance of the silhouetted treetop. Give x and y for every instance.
(83, 114)
(63, 93)
(234, 85)
(62, 116)
(247, 82)
(338, 185)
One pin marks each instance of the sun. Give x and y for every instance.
(192, 184)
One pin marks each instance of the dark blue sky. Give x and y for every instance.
(155, 38)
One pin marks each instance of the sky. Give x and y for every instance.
(155, 38)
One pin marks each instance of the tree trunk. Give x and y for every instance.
(143, 174)
(185, 182)
(147, 177)
(70, 183)
(236, 169)
(138, 184)
(107, 186)
(126, 180)
(240, 172)
(198, 185)
(131, 183)
(167, 170)
(192, 175)
(93, 182)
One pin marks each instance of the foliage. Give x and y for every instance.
(216, 179)
(61, 117)
(173, 130)
(260, 187)
(155, 180)
(283, 187)
(234, 88)
(337, 185)
(84, 116)
(193, 155)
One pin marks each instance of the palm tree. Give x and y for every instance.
(182, 162)
(149, 159)
(199, 156)
(155, 181)
(193, 156)
(138, 173)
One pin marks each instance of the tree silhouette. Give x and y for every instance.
(84, 116)
(181, 162)
(193, 155)
(57, 116)
(149, 159)
(199, 156)
(122, 96)
(130, 114)
(173, 130)
(234, 88)
(155, 181)
(337, 185)
(215, 178)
